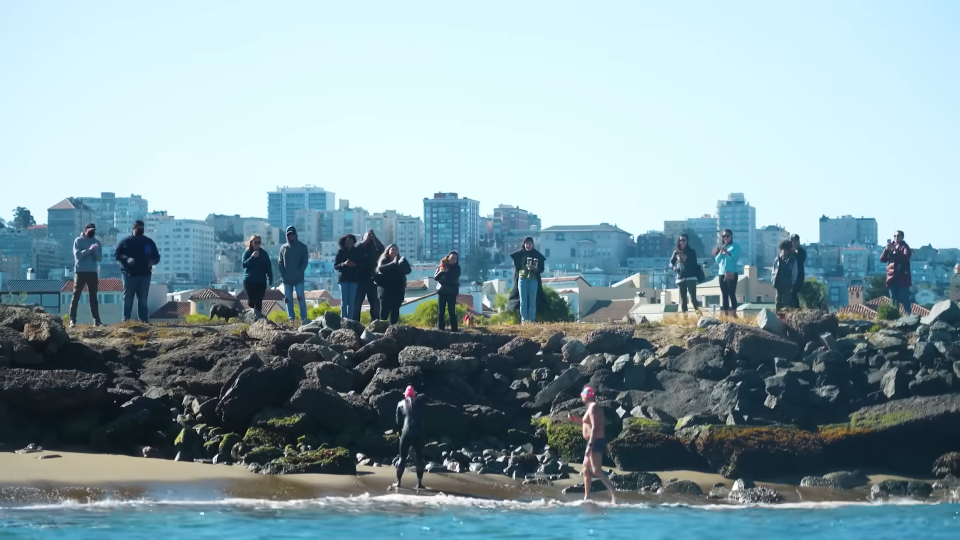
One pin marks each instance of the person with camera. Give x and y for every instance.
(727, 254)
(257, 273)
(684, 263)
(528, 265)
(349, 257)
(897, 256)
(800, 254)
(391, 280)
(87, 254)
(448, 287)
(784, 276)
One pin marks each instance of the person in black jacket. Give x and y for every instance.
(801, 257)
(448, 287)
(347, 264)
(391, 282)
(138, 255)
(684, 263)
(527, 294)
(371, 247)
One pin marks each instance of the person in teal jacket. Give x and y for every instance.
(727, 254)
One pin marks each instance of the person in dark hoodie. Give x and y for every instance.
(257, 273)
(527, 293)
(684, 263)
(784, 274)
(448, 287)
(347, 265)
(371, 247)
(801, 255)
(897, 256)
(391, 280)
(293, 264)
(137, 255)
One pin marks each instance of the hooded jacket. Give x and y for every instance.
(142, 250)
(293, 260)
(897, 257)
(371, 258)
(85, 258)
(519, 263)
(784, 276)
(392, 275)
(448, 280)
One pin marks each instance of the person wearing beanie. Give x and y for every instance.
(371, 248)
(138, 254)
(448, 287)
(411, 438)
(87, 254)
(293, 260)
(527, 294)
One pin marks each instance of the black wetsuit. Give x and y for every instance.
(411, 437)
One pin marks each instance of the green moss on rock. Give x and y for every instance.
(256, 436)
(759, 452)
(262, 455)
(290, 424)
(649, 450)
(564, 437)
(646, 424)
(228, 442)
(324, 461)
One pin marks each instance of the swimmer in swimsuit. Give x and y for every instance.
(593, 424)
(412, 435)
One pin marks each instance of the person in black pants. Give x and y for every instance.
(408, 412)
(257, 273)
(391, 280)
(800, 255)
(448, 287)
(684, 263)
(370, 249)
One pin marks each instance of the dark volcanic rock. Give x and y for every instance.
(929, 384)
(901, 488)
(677, 394)
(810, 324)
(385, 346)
(199, 366)
(486, 421)
(274, 336)
(757, 452)
(574, 352)
(681, 487)
(368, 368)
(347, 339)
(895, 384)
(947, 465)
(748, 342)
(17, 317)
(521, 350)
(701, 361)
(325, 407)
(255, 389)
(944, 311)
(430, 360)
(17, 349)
(640, 450)
(47, 392)
(566, 380)
(837, 480)
(333, 375)
(46, 336)
(607, 340)
(407, 336)
(636, 481)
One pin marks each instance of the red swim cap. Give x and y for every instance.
(410, 392)
(587, 392)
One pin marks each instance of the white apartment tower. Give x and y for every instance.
(283, 204)
(736, 214)
(187, 250)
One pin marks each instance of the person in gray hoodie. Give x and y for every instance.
(293, 263)
(87, 254)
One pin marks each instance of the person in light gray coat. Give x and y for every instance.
(87, 254)
(293, 260)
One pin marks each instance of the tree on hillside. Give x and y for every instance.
(695, 242)
(813, 295)
(557, 308)
(22, 218)
(876, 287)
(3, 224)
(228, 236)
(475, 267)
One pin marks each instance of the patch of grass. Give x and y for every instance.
(875, 328)
(323, 455)
(646, 424)
(860, 420)
(261, 437)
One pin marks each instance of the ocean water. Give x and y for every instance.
(399, 516)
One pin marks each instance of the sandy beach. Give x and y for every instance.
(82, 477)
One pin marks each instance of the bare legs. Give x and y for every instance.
(592, 467)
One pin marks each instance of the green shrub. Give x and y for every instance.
(425, 315)
(504, 318)
(197, 318)
(564, 437)
(888, 312)
(315, 312)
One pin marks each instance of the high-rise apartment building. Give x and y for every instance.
(654, 244)
(384, 225)
(19, 251)
(409, 237)
(768, 244)
(736, 214)
(450, 223)
(187, 251)
(65, 222)
(508, 218)
(845, 230)
(283, 204)
(317, 226)
(704, 226)
(111, 211)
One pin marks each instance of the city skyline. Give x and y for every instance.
(567, 110)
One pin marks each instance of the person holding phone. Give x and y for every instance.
(684, 263)
(727, 254)
(391, 280)
(527, 292)
(448, 287)
(897, 256)
(348, 276)
(137, 255)
(87, 254)
(257, 273)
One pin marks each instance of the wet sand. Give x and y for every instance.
(84, 477)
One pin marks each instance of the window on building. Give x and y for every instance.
(573, 252)
(547, 254)
(560, 236)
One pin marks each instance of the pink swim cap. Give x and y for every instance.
(410, 392)
(587, 392)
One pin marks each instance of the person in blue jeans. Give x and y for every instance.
(293, 260)
(348, 275)
(899, 280)
(528, 265)
(137, 255)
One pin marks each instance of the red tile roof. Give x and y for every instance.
(870, 308)
(172, 310)
(271, 294)
(856, 288)
(212, 294)
(63, 205)
(105, 285)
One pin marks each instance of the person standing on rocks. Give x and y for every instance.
(391, 280)
(257, 273)
(897, 256)
(801, 256)
(138, 255)
(784, 275)
(292, 261)
(87, 254)
(593, 432)
(448, 287)
(684, 263)
(408, 413)
(527, 293)
(347, 265)
(371, 248)
(727, 254)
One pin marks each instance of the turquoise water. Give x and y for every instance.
(413, 517)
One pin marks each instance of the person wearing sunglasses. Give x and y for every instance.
(727, 254)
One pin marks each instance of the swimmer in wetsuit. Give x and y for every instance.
(593, 424)
(412, 435)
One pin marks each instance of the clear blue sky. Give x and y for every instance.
(627, 112)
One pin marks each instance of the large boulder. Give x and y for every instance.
(486, 421)
(46, 336)
(394, 379)
(444, 420)
(276, 337)
(758, 452)
(50, 392)
(896, 383)
(677, 394)
(520, 349)
(945, 312)
(639, 450)
(326, 408)
(385, 346)
(406, 336)
(199, 366)
(566, 380)
(770, 322)
(607, 340)
(17, 317)
(321, 461)
(438, 361)
(333, 375)
(17, 349)
(346, 338)
(255, 389)
(574, 352)
(368, 368)
(702, 361)
(809, 324)
(139, 419)
(947, 465)
(748, 342)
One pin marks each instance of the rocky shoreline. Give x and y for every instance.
(810, 399)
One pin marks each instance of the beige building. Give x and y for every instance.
(749, 289)
(768, 244)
